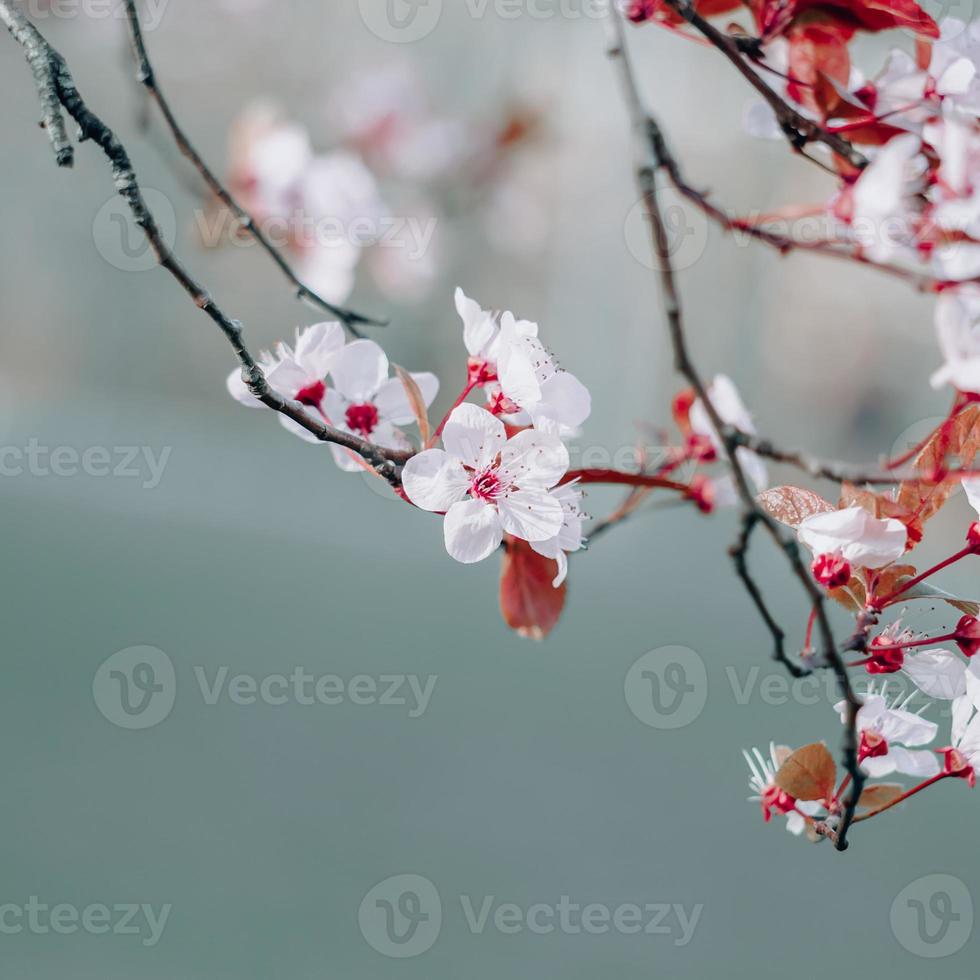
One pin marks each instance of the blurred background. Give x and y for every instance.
(235, 549)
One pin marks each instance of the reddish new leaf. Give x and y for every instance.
(808, 774)
(880, 794)
(793, 505)
(529, 602)
(847, 15)
(818, 57)
(639, 11)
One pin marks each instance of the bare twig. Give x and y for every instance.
(650, 159)
(53, 66)
(147, 77)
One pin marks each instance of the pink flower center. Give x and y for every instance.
(362, 418)
(486, 486)
(312, 394)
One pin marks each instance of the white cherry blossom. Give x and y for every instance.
(887, 731)
(856, 535)
(487, 485)
(958, 329)
(364, 401)
(727, 402)
(298, 373)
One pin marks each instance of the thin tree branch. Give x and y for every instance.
(147, 78)
(649, 161)
(798, 129)
(385, 462)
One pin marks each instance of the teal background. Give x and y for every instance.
(528, 777)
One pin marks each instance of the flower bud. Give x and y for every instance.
(872, 745)
(973, 537)
(956, 764)
(884, 661)
(776, 799)
(831, 571)
(967, 635)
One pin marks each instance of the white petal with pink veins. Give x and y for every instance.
(360, 370)
(474, 436)
(434, 480)
(472, 531)
(531, 514)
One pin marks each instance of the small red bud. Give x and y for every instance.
(973, 537)
(872, 745)
(967, 635)
(701, 448)
(884, 661)
(831, 571)
(701, 490)
(955, 764)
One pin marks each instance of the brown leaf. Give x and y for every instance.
(417, 402)
(529, 602)
(880, 794)
(808, 774)
(793, 505)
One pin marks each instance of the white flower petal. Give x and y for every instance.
(479, 325)
(473, 436)
(472, 531)
(533, 459)
(359, 371)
(860, 537)
(316, 348)
(937, 673)
(531, 514)
(434, 480)
(564, 400)
(392, 401)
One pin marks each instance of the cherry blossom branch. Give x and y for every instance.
(46, 62)
(649, 161)
(147, 77)
(798, 129)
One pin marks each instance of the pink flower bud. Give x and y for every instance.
(973, 537)
(956, 764)
(886, 661)
(967, 635)
(831, 571)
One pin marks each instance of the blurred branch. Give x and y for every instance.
(49, 64)
(147, 78)
(650, 158)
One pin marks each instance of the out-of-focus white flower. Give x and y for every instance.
(857, 536)
(727, 402)
(958, 330)
(488, 485)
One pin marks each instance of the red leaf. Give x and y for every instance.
(529, 602)
(639, 11)
(848, 15)
(818, 56)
